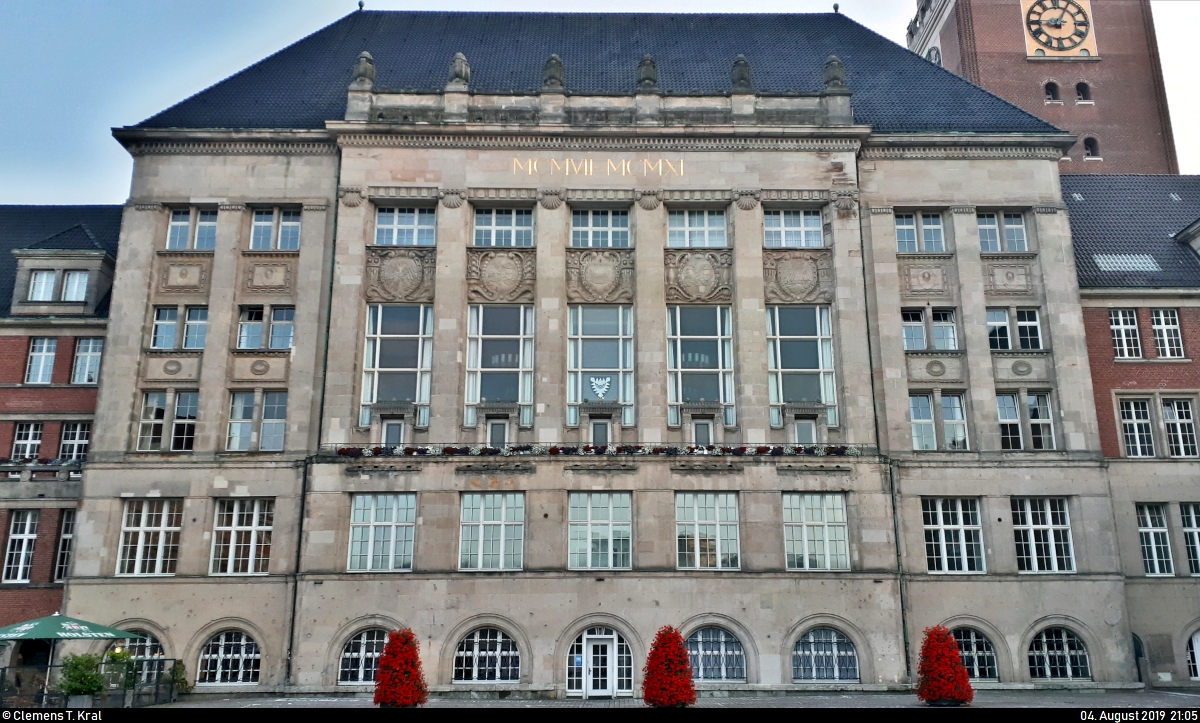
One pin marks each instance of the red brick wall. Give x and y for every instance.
(41, 596)
(1108, 374)
(38, 401)
(1129, 118)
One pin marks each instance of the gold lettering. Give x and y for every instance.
(626, 167)
(587, 166)
(673, 171)
(518, 167)
(537, 170)
(580, 167)
(614, 167)
(555, 164)
(647, 166)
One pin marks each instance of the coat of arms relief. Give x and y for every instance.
(798, 277)
(599, 276)
(400, 274)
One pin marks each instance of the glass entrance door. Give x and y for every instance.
(599, 674)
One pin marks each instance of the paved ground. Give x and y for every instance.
(983, 699)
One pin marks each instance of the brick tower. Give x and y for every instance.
(1087, 66)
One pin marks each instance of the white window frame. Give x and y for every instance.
(360, 657)
(793, 229)
(600, 517)
(1123, 324)
(183, 421)
(581, 376)
(815, 532)
(495, 649)
(22, 536)
(1001, 232)
(599, 229)
(152, 421)
(1001, 339)
(505, 227)
(920, 232)
(1168, 338)
(41, 285)
(1041, 421)
(192, 228)
(1180, 422)
(88, 353)
(525, 363)
(497, 433)
(273, 424)
(702, 432)
(229, 652)
(1137, 429)
(247, 327)
(75, 285)
(954, 418)
(74, 440)
(283, 327)
(66, 543)
(241, 426)
(1044, 523)
(150, 529)
(1029, 330)
(953, 536)
(715, 649)
(1009, 416)
(697, 229)
(1066, 649)
(275, 229)
(1190, 518)
(40, 366)
(383, 532)
(912, 323)
(723, 369)
(164, 329)
(977, 653)
(241, 540)
(27, 440)
(204, 238)
(717, 514)
(373, 349)
(411, 226)
(824, 370)
(943, 321)
(833, 649)
(497, 517)
(923, 428)
(1154, 539)
(195, 327)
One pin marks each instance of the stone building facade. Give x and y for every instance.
(539, 359)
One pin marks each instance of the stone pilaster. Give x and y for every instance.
(650, 366)
(222, 323)
(750, 324)
(553, 228)
(450, 325)
(981, 390)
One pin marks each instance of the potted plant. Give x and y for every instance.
(941, 677)
(81, 679)
(668, 672)
(399, 680)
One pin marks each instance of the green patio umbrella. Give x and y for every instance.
(59, 627)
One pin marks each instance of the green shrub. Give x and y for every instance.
(179, 677)
(81, 675)
(121, 665)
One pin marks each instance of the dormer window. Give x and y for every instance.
(41, 285)
(199, 236)
(75, 286)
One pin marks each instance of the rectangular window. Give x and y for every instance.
(273, 428)
(206, 230)
(503, 227)
(1123, 325)
(997, 324)
(497, 432)
(600, 531)
(945, 332)
(183, 429)
(1041, 424)
(1042, 532)
(166, 319)
(700, 360)
(87, 361)
(814, 532)
(989, 233)
(75, 286)
(195, 327)
(953, 535)
(792, 229)
(242, 537)
(41, 285)
(1014, 233)
(1156, 546)
(930, 233)
(706, 530)
(1135, 428)
(800, 360)
(40, 368)
(1029, 331)
(397, 359)
(914, 329)
(1181, 427)
(150, 429)
(696, 229)
(920, 412)
(150, 537)
(177, 234)
(500, 359)
(1168, 342)
(954, 422)
(1191, 534)
(405, 227)
(283, 327)
(1010, 421)
(600, 229)
(263, 230)
(382, 531)
(74, 441)
(250, 328)
(22, 534)
(27, 440)
(906, 233)
(241, 419)
(289, 230)
(66, 544)
(492, 531)
(600, 359)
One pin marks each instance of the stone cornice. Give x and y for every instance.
(698, 140)
(230, 148)
(936, 146)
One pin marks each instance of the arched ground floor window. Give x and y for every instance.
(824, 654)
(487, 655)
(599, 664)
(1058, 654)
(229, 657)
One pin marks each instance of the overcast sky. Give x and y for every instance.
(70, 70)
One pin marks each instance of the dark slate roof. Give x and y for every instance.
(304, 85)
(53, 227)
(1131, 219)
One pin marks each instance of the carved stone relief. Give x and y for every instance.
(798, 277)
(648, 200)
(351, 196)
(845, 202)
(551, 198)
(746, 198)
(500, 276)
(269, 278)
(1008, 279)
(699, 276)
(599, 276)
(452, 197)
(182, 369)
(925, 280)
(184, 278)
(399, 274)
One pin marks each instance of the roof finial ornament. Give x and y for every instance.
(647, 75)
(460, 73)
(364, 72)
(835, 74)
(360, 4)
(835, 7)
(553, 75)
(740, 75)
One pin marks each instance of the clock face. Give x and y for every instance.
(1057, 24)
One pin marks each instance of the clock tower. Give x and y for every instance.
(1088, 66)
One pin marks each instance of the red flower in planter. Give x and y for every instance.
(668, 672)
(941, 676)
(399, 681)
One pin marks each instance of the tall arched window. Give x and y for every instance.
(1052, 91)
(824, 654)
(601, 662)
(1083, 91)
(978, 655)
(1091, 148)
(145, 652)
(487, 655)
(1193, 668)
(229, 657)
(360, 656)
(1057, 654)
(716, 654)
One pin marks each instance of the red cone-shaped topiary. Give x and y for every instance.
(668, 681)
(399, 681)
(941, 677)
